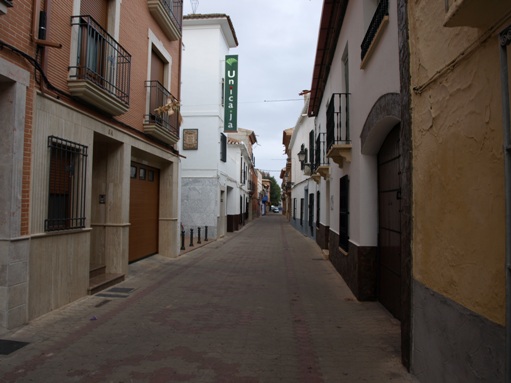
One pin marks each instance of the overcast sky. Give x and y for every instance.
(277, 46)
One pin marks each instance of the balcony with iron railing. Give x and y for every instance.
(338, 143)
(169, 16)
(378, 22)
(161, 125)
(321, 162)
(101, 75)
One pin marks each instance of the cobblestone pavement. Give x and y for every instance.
(259, 305)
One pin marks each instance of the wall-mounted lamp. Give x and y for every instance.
(302, 154)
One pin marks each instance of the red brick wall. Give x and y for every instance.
(133, 37)
(15, 29)
(136, 20)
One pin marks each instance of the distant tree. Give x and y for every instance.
(275, 192)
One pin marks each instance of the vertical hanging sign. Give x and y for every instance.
(231, 94)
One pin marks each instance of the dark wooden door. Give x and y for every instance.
(144, 204)
(389, 236)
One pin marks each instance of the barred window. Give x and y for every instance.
(67, 181)
(223, 147)
(311, 212)
(344, 213)
(301, 211)
(318, 210)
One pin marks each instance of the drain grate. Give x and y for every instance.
(9, 346)
(116, 292)
(122, 290)
(105, 295)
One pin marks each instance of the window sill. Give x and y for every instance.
(62, 232)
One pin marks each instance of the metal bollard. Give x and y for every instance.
(198, 235)
(183, 240)
(206, 233)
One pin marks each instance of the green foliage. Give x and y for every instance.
(275, 192)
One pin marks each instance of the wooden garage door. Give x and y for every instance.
(389, 236)
(144, 202)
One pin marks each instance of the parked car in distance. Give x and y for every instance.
(275, 209)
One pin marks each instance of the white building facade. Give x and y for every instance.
(214, 182)
(303, 204)
(360, 163)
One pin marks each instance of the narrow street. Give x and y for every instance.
(260, 305)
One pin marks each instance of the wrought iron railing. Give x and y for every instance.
(338, 120)
(320, 151)
(101, 59)
(174, 9)
(159, 96)
(382, 10)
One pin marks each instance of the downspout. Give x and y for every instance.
(36, 8)
(505, 40)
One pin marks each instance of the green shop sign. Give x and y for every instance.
(231, 94)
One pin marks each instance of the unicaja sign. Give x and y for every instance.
(231, 94)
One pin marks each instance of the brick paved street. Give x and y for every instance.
(260, 305)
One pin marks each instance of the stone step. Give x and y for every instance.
(103, 281)
(96, 270)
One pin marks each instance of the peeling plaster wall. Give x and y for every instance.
(458, 176)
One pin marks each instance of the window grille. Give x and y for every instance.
(311, 153)
(301, 211)
(223, 147)
(382, 11)
(311, 212)
(67, 182)
(344, 213)
(318, 210)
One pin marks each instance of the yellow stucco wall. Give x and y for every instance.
(458, 164)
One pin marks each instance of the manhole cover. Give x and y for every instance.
(9, 346)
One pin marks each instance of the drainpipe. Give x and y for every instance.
(36, 8)
(505, 40)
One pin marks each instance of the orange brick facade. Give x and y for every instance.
(16, 30)
(47, 267)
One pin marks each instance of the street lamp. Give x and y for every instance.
(302, 154)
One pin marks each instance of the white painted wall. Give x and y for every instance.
(303, 184)
(366, 86)
(204, 50)
(206, 42)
